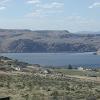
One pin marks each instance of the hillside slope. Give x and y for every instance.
(27, 41)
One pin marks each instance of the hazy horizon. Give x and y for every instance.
(50, 15)
(79, 32)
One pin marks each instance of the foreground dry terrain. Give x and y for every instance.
(58, 85)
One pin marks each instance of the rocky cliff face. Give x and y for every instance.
(27, 41)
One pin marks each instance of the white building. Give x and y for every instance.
(45, 72)
(80, 68)
(17, 69)
(88, 69)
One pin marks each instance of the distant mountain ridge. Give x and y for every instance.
(88, 32)
(28, 41)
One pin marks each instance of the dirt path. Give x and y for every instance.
(96, 79)
(83, 78)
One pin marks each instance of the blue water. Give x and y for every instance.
(57, 59)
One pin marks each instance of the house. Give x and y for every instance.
(17, 68)
(80, 68)
(88, 69)
(45, 72)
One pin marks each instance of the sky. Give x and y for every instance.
(72, 15)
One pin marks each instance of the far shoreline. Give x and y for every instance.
(47, 52)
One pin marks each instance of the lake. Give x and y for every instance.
(57, 59)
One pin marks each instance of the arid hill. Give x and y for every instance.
(28, 41)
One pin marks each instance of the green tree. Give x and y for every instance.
(70, 66)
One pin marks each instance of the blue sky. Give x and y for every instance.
(72, 15)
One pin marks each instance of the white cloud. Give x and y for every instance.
(34, 13)
(33, 1)
(80, 23)
(2, 8)
(96, 4)
(45, 9)
(3, 4)
(51, 5)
